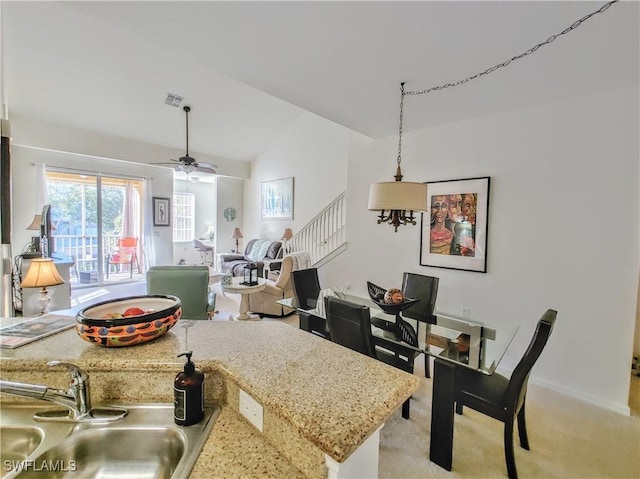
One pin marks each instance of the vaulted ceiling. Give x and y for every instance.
(249, 69)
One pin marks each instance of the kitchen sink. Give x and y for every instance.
(17, 443)
(145, 444)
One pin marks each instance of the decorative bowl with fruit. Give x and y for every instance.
(128, 321)
(390, 300)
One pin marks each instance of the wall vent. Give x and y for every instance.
(174, 100)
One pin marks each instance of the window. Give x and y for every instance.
(183, 216)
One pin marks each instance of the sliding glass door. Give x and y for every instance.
(98, 223)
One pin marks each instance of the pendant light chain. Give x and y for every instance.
(531, 50)
(398, 172)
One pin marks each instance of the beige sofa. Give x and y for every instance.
(264, 302)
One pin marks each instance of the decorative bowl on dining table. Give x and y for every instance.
(377, 295)
(128, 321)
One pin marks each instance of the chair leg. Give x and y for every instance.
(459, 407)
(427, 366)
(508, 449)
(405, 409)
(522, 429)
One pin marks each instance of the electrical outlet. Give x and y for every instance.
(466, 312)
(251, 409)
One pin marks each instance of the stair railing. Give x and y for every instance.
(325, 235)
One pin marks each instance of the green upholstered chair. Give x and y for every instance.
(189, 283)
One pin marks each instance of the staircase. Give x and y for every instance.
(324, 237)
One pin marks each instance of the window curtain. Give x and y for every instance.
(149, 250)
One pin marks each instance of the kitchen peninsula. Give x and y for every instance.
(323, 405)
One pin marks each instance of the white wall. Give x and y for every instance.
(563, 231)
(230, 195)
(315, 152)
(205, 194)
(25, 199)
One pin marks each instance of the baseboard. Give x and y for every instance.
(615, 407)
(579, 395)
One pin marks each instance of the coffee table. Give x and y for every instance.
(245, 291)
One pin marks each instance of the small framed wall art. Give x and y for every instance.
(277, 199)
(161, 211)
(455, 226)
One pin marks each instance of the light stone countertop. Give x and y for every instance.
(333, 398)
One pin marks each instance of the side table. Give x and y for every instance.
(245, 291)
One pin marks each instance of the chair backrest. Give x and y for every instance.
(424, 288)
(284, 278)
(350, 325)
(306, 287)
(200, 246)
(127, 242)
(520, 376)
(301, 260)
(189, 283)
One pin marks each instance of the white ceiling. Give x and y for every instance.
(249, 69)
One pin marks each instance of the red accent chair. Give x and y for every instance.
(125, 253)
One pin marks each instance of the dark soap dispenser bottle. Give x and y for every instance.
(188, 394)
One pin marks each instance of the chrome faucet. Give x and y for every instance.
(77, 399)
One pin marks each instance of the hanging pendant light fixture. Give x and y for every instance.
(395, 198)
(398, 200)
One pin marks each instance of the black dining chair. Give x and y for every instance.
(417, 286)
(306, 288)
(350, 326)
(424, 288)
(501, 398)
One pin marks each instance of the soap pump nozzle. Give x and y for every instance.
(189, 367)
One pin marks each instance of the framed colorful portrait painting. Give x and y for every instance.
(455, 226)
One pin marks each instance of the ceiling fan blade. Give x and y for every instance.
(173, 162)
(203, 168)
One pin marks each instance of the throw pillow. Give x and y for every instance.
(259, 250)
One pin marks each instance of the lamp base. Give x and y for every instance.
(44, 301)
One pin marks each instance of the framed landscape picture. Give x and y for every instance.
(455, 226)
(277, 199)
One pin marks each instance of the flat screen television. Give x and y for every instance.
(45, 231)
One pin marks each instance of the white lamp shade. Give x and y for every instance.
(398, 195)
(35, 223)
(42, 273)
(236, 233)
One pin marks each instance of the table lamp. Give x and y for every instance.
(286, 236)
(35, 240)
(42, 273)
(237, 234)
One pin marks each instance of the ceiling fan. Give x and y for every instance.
(186, 163)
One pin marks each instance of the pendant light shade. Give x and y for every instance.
(398, 195)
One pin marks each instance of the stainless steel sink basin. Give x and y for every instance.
(145, 444)
(17, 443)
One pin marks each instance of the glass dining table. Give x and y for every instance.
(452, 341)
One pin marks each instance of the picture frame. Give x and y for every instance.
(454, 229)
(276, 199)
(161, 211)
